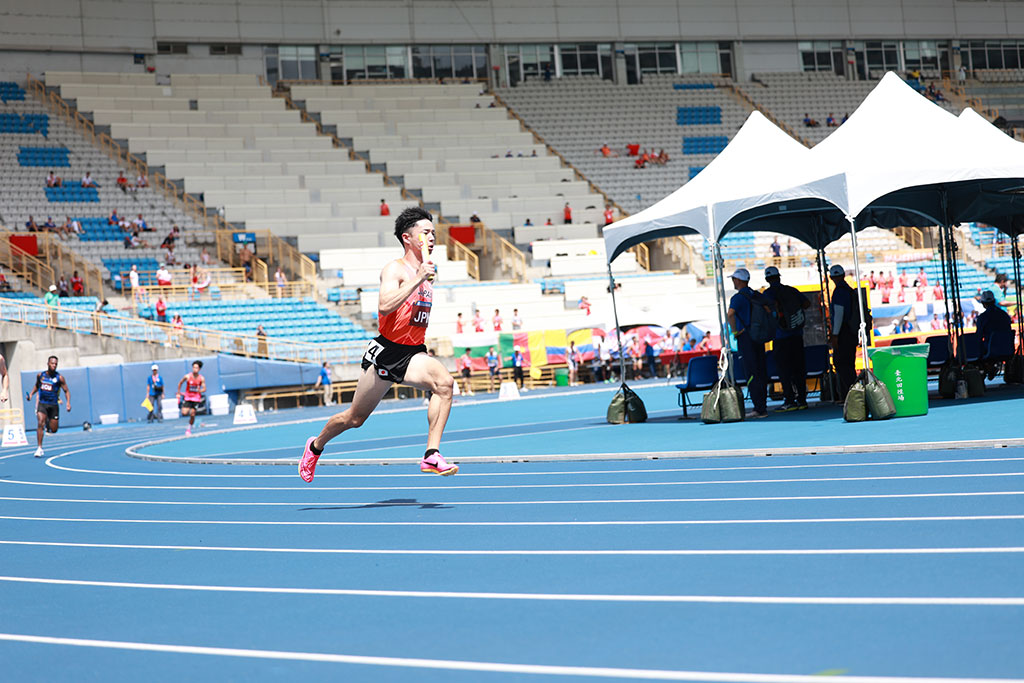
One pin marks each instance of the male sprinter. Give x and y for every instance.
(195, 387)
(49, 382)
(398, 354)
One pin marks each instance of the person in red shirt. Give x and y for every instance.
(920, 292)
(886, 293)
(584, 304)
(161, 310)
(122, 182)
(398, 354)
(478, 322)
(634, 150)
(567, 214)
(937, 292)
(549, 222)
(385, 210)
(458, 324)
(496, 320)
(195, 387)
(77, 286)
(609, 215)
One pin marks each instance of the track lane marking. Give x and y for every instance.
(668, 552)
(554, 597)
(491, 667)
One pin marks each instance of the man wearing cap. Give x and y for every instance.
(844, 317)
(155, 394)
(752, 352)
(997, 289)
(52, 300)
(788, 344)
(995, 332)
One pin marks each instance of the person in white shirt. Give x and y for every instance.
(281, 280)
(87, 180)
(141, 181)
(517, 322)
(163, 276)
(205, 257)
(133, 277)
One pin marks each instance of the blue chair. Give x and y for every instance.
(1000, 347)
(938, 351)
(701, 375)
(972, 347)
(816, 362)
(904, 341)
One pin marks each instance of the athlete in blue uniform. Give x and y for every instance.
(49, 383)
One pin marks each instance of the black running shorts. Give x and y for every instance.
(51, 410)
(188, 405)
(390, 360)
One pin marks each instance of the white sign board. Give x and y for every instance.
(244, 414)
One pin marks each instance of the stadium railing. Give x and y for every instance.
(503, 251)
(23, 265)
(457, 251)
(51, 251)
(163, 334)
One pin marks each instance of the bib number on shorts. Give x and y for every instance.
(372, 351)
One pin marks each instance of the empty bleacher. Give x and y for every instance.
(691, 119)
(448, 144)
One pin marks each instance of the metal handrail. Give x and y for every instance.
(64, 261)
(770, 116)
(21, 264)
(457, 251)
(271, 248)
(506, 253)
(188, 337)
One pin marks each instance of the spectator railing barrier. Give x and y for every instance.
(457, 251)
(163, 334)
(185, 291)
(271, 249)
(682, 252)
(21, 264)
(912, 236)
(61, 261)
(506, 253)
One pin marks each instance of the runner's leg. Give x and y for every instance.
(370, 389)
(428, 373)
(41, 418)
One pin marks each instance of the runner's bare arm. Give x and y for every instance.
(396, 285)
(180, 382)
(6, 380)
(67, 392)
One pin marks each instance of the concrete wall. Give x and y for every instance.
(110, 26)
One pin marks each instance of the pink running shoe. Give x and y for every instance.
(308, 462)
(436, 464)
(188, 431)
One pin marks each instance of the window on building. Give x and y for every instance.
(704, 58)
(449, 61)
(172, 48)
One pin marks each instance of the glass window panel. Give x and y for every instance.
(667, 61)
(442, 64)
(289, 69)
(648, 61)
(978, 60)
(726, 61)
(272, 71)
(462, 64)
(1011, 59)
(289, 52)
(807, 59)
(422, 66)
(709, 63)
(804, 46)
(270, 50)
(690, 63)
(588, 63)
(307, 69)
(396, 51)
(480, 64)
(570, 63)
(607, 69)
(995, 57)
(307, 52)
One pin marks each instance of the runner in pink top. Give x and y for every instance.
(398, 355)
(195, 387)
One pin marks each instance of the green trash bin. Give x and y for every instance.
(561, 377)
(904, 371)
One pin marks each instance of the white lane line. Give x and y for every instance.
(50, 463)
(476, 487)
(661, 552)
(489, 667)
(320, 504)
(665, 522)
(566, 597)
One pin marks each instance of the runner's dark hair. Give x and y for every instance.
(408, 218)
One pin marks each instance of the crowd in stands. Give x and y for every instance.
(497, 322)
(642, 157)
(830, 121)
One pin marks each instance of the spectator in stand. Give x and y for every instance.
(922, 279)
(138, 242)
(936, 323)
(919, 292)
(584, 304)
(245, 258)
(633, 150)
(133, 280)
(846, 117)
(52, 299)
(475, 218)
(886, 293)
(87, 180)
(177, 327)
(641, 161)
(385, 210)
(122, 182)
(63, 288)
(517, 322)
(113, 218)
(4, 284)
(30, 225)
(873, 280)
(776, 250)
(567, 214)
(70, 227)
(161, 309)
(49, 225)
(937, 293)
(141, 181)
(171, 238)
(528, 223)
(496, 321)
(204, 256)
(549, 222)
(140, 223)
(961, 74)
(281, 280)
(77, 286)
(809, 122)
(607, 151)
(478, 322)
(830, 120)
(53, 180)
(459, 325)
(163, 276)
(609, 215)
(705, 342)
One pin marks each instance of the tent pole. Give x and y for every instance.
(945, 288)
(860, 300)
(719, 272)
(1015, 245)
(618, 331)
(954, 276)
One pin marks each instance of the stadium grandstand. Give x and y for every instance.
(550, 247)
